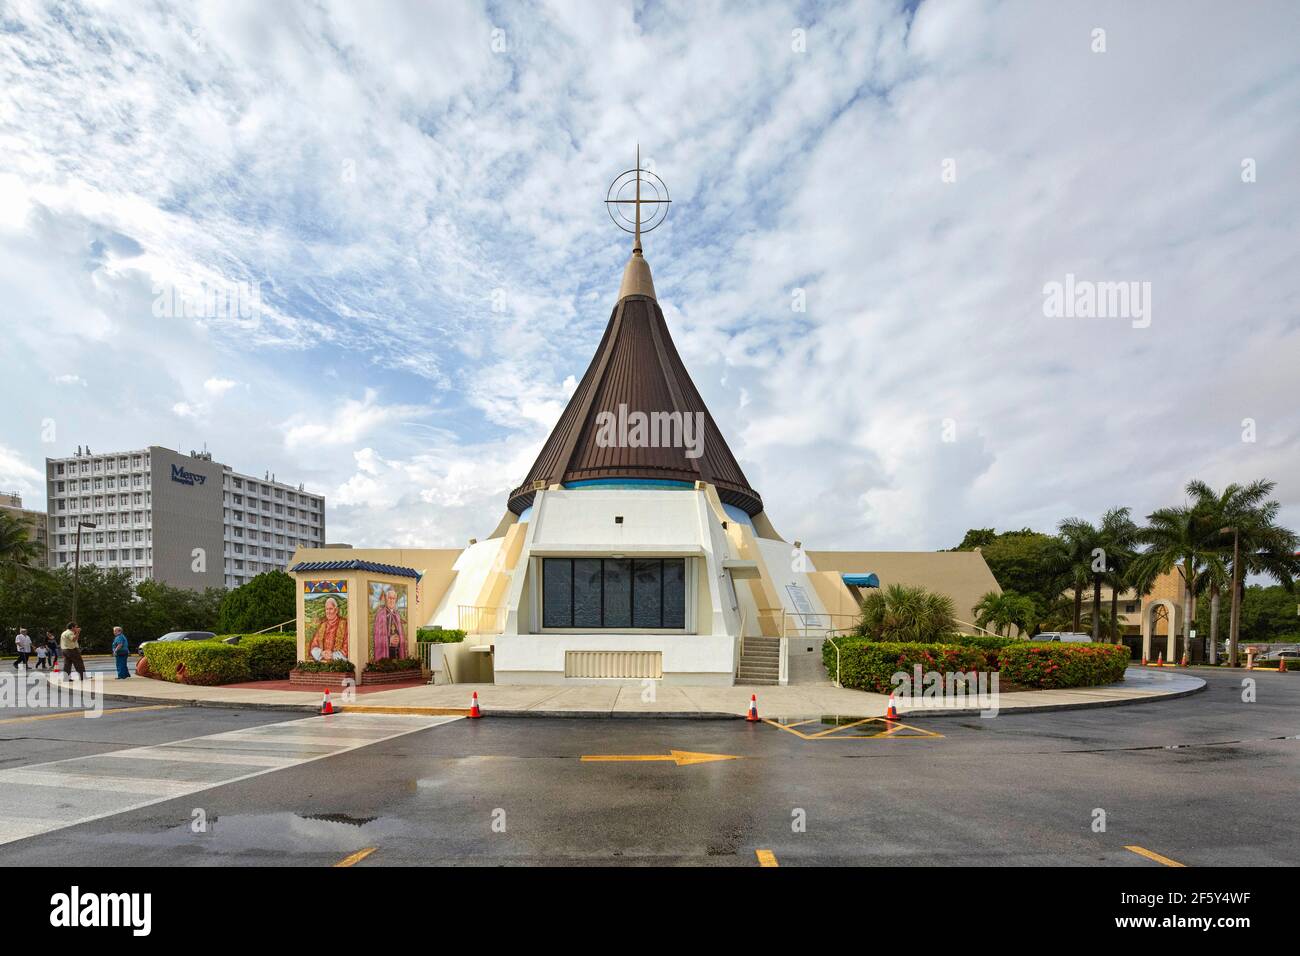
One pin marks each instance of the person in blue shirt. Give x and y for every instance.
(121, 651)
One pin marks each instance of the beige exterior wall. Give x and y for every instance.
(962, 575)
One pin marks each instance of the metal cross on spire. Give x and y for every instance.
(626, 191)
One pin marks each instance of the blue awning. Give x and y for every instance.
(868, 580)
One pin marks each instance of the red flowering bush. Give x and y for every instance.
(1054, 665)
(868, 665)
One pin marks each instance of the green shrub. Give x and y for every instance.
(906, 613)
(388, 665)
(270, 656)
(325, 667)
(1049, 664)
(437, 635)
(206, 662)
(869, 665)
(991, 646)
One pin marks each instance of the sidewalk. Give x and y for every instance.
(606, 700)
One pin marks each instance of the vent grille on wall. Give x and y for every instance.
(614, 664)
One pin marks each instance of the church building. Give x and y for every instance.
(634, 548)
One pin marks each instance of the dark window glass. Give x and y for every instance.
(647, 593)
(674, 592)
(618, 593)
(557, 592)
(586, 592)
(614, 593)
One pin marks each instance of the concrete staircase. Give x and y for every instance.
(761, 662)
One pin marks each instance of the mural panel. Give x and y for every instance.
(387, 620)
(325, 610)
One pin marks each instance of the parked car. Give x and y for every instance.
(1065, 637)
(179, 636)
(1290, 653)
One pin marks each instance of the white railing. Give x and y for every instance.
(783, 672)
(475, 619)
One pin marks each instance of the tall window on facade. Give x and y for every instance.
(614, 593)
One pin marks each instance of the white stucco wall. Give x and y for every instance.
(656, 523)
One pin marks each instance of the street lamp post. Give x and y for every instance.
(76, 565)
(1235, 607)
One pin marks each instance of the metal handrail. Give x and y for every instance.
(803, 627)
(277, 627)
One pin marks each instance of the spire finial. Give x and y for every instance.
(626, 191)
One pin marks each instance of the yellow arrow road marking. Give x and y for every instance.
(766, 858)
(682, 758)
(1150, 855)
(356, 857)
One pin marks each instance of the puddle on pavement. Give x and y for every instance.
(273, 832)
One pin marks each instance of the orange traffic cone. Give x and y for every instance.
(1183, 662)
(326, 705)
(1281, 665)
(1145, 662)
(892, 713)
(1160, 662)
(473, 706)
(753, 708)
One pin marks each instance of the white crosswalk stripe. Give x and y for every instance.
(43, 797)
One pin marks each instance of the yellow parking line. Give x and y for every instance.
(82, 713)
(766, 858)
(356, 857)
(1143, 851)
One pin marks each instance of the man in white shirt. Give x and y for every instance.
(24, 645)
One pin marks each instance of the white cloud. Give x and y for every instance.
(421, 216)
(218, 386)
(347, 422)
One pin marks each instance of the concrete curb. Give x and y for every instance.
(619, 715)
(312, 708)
(1045, 708)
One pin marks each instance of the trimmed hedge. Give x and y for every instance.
(388, 665)
(206, 662)
(270, 656)
(437, 635)
(991, 646)
(869, 665)
(1048, 664)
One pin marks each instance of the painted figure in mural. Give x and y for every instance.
(389, 634)
(330, 642)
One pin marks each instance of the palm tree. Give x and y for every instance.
(1119, 538)
(1081, 541)
(1263, 547)
(907, 613)
(17, 550)
(1186, 538)
(1004, 611)
(1097, 554)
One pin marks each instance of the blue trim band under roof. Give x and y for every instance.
(374, 567)
(868, 580)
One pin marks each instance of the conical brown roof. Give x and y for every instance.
(636, 366)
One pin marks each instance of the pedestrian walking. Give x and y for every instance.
(24, 645)
(70, 642)
(42, 656)
(51, 648)
(121, 651)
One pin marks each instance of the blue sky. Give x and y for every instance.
(388, 172)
